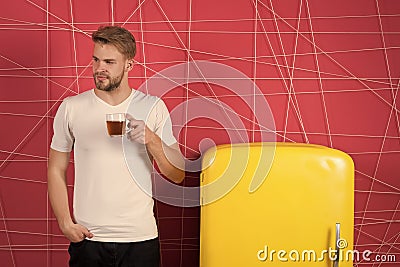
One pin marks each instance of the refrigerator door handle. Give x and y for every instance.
(337, 241)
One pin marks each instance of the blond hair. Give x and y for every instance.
(117, 36)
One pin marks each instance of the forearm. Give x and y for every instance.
(169, 159)
(58, 195)
(57, 186)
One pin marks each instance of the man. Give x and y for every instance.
(113, 222)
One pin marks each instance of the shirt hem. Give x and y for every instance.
(122, 240)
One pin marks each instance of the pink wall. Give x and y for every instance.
(328, 69)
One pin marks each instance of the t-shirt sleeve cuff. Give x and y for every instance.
(60, 148)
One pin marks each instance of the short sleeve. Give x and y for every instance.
(63, 139)
(163, 126)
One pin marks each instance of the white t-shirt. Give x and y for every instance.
(107, 200)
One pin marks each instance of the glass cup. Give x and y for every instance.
(116, 124)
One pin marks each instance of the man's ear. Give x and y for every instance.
(129, 65)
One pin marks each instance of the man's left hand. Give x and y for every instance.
(138, 131)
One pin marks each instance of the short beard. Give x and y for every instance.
(114, 83)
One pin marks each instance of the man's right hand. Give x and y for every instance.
(76, 232)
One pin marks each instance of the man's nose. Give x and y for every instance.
(99, 66)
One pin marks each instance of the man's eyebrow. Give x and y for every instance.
(106, 59)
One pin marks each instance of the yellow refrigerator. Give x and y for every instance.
(276, 204)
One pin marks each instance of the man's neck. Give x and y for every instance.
(115, 97)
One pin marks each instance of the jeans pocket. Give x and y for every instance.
(75, 251)
(77, 244)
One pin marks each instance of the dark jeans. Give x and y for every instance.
(101, 254)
